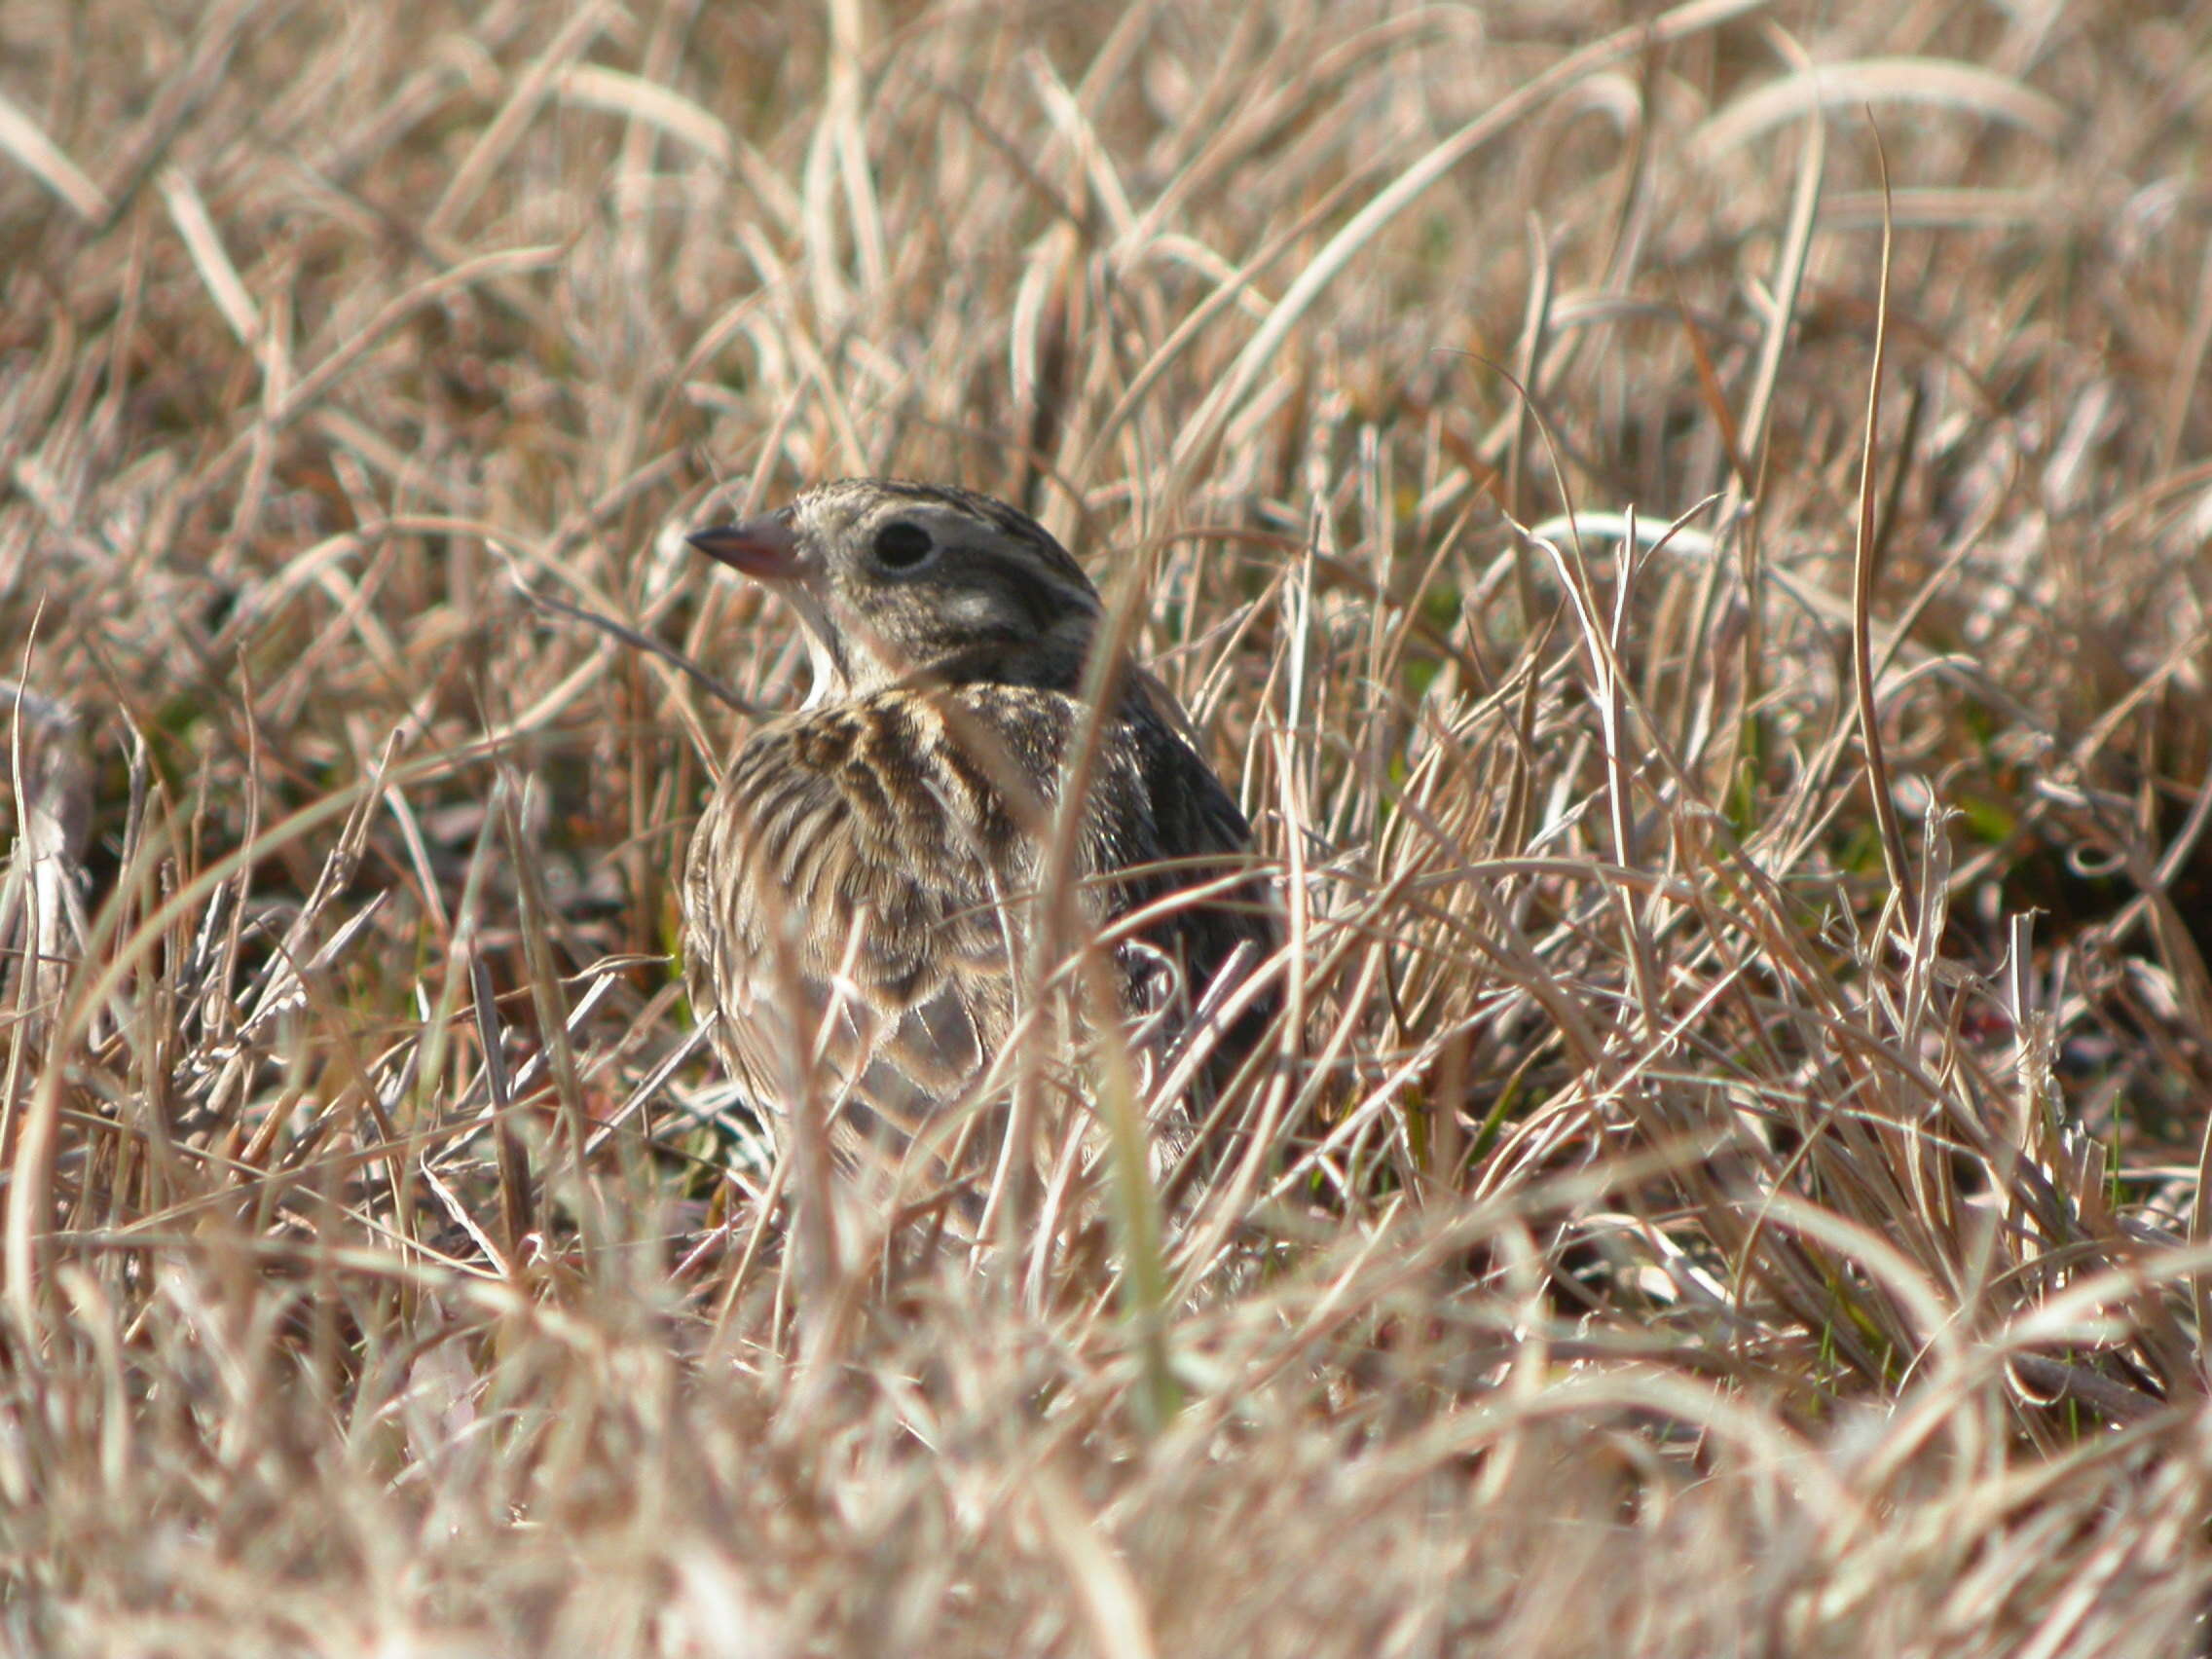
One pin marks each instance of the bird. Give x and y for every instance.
(861, 896)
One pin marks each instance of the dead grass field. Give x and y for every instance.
(1718, 1186)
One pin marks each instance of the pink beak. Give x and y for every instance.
(763, 548)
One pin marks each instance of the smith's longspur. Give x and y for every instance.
(859, 898)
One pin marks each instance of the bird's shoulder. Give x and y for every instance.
(928, 779)
(954, 787)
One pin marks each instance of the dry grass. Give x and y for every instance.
(1687, 1211)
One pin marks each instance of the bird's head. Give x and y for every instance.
(897, 581)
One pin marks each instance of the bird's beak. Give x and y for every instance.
(763, 548)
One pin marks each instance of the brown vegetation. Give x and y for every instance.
(1686, 1210)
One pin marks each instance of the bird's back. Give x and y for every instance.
(862, 895)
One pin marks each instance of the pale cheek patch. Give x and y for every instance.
(976, 609)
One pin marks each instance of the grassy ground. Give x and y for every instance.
(1720, 1186)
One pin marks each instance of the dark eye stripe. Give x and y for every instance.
(1040, 601)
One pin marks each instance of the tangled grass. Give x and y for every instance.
(1719, 1185)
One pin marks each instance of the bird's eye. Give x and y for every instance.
(901, 545)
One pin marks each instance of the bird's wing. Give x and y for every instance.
(1190, 860)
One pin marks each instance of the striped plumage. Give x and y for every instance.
(857, 899)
